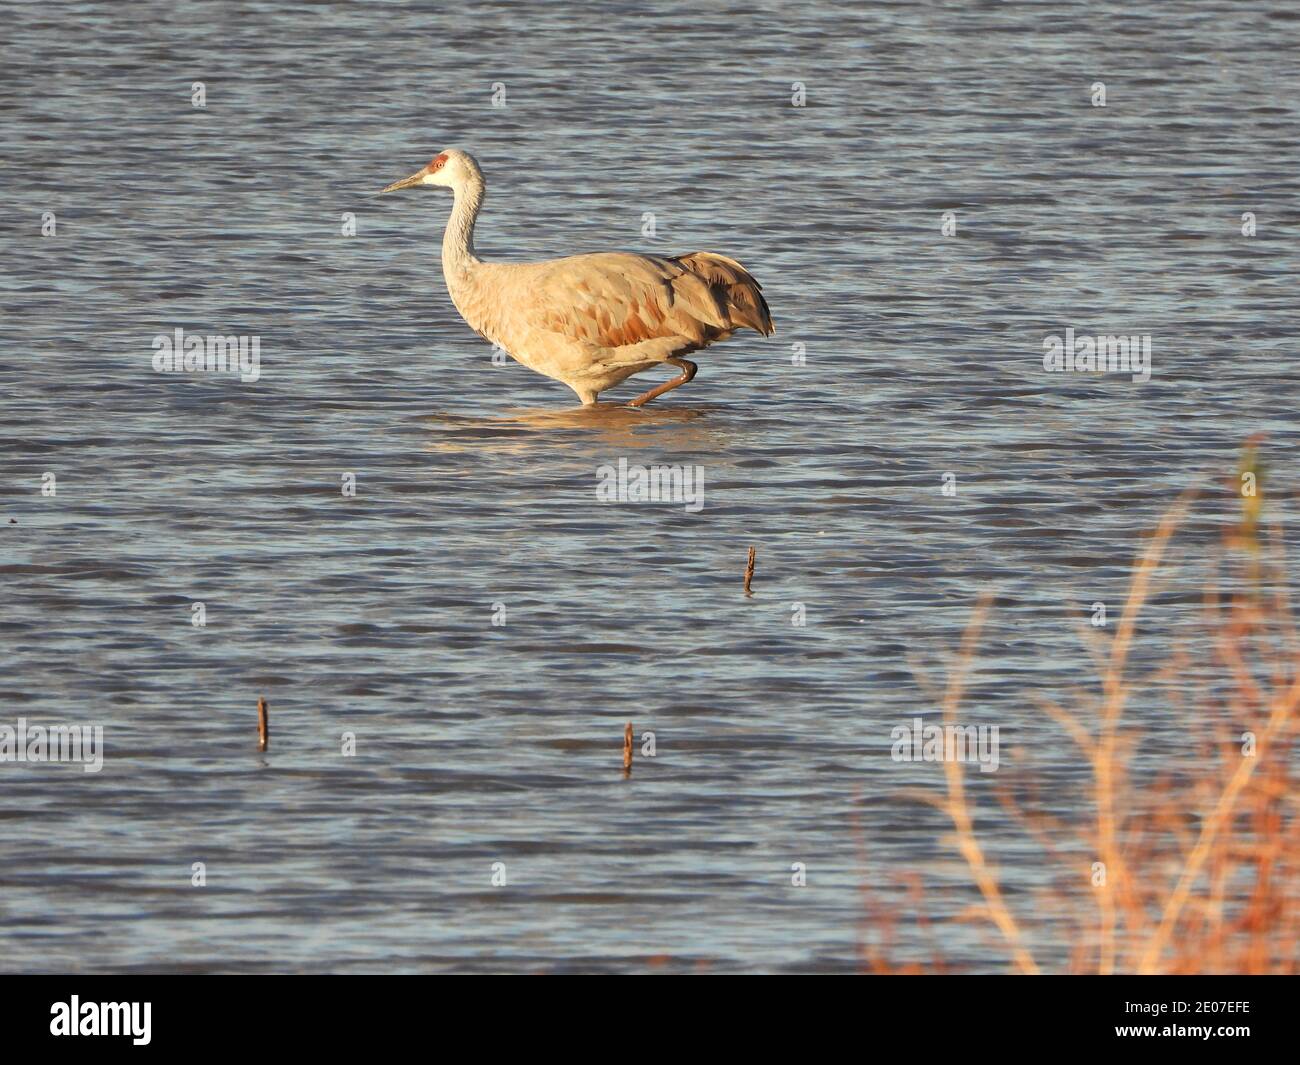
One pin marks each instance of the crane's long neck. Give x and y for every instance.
(458, 241)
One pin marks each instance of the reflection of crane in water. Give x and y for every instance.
(590, 321)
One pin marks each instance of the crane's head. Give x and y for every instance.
(452, 168)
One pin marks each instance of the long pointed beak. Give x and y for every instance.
(405, 183)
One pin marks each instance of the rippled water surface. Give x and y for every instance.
(373, 614)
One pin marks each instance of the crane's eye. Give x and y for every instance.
(437, 163)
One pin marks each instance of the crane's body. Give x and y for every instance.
(590, 321)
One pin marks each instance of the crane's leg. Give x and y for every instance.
(688, 373)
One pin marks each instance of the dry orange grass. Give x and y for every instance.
(1191, 873)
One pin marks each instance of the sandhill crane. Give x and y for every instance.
(590, 321)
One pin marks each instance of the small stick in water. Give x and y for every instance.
(749, 571)
(263, 725)
(627, 750)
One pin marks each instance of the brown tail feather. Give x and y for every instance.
(737, 292)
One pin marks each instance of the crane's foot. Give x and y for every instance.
(688, 373)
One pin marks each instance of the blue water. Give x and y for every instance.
(372, 614)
